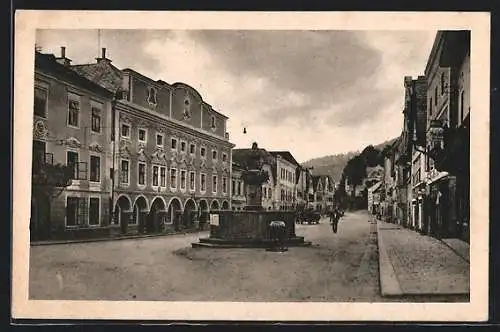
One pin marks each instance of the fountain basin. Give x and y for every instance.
(250, 229)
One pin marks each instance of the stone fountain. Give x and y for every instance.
(250, 228)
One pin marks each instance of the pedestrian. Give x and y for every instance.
(334, 219)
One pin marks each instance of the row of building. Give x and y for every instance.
(426, 181)
(143, 155)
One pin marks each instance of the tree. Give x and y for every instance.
(371, 156)
(48, 182)
(355, 171)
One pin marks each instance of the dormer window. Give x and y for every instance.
(152, 97)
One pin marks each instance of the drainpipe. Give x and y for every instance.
(113, 140)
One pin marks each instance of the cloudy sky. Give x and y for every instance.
(313, 93)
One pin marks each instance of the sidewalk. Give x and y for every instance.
(114, 238)
(415, 264)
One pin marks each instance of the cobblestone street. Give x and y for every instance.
(338, 267)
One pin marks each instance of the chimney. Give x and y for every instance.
(103, 56)
(62, 59)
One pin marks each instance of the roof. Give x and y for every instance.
(285, 155)
(48, 62)
(102, 73)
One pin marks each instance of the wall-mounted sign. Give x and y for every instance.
(214, 219)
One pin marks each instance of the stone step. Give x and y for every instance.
(298, 239)
(259, 245)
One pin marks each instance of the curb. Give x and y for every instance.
(455, 251)
(389, 283)
(118, 238)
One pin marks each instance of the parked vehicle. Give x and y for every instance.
(309, 217)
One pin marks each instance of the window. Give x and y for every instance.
(435, 95)
(212, 122)
(141, 176)
(233, 187)
(76, 209)
(126, 130)
(183, 146)
(173, 178)
(79, 168)
(192, 148)
(159, 139)
(95, 168)
(73, 111)
(162, 177)
(203, 152)
(239, 188)
(40, 104)
(214, 154)
(173, 144)
(141, 135)
(224, 185)
(96, 120)
(430, 107)
(442, 83)
(155, 176)
(214, 183)
(94, 218)
(124, 171)
(203, 182)
(191, 181)
(39, 158)
(224, 157)
(183, 179)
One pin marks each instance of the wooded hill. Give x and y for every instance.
(334, 165)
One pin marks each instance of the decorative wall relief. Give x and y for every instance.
(40, 130)
(141, 156)
(95, 147)
(71, 142)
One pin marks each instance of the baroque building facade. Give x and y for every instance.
(71, 121)
(165, 153)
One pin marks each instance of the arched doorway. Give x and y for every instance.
(140, 214)
(175, 213)
(214, 206)
(156, 216)
(204, 213)
(122, 212)
(225, 205)
(190, 214)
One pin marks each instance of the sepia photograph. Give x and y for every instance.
(316, 168)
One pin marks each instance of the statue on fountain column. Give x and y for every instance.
(254, 177)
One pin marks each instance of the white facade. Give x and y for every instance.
(285, 189)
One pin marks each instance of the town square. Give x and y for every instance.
(266, 166)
